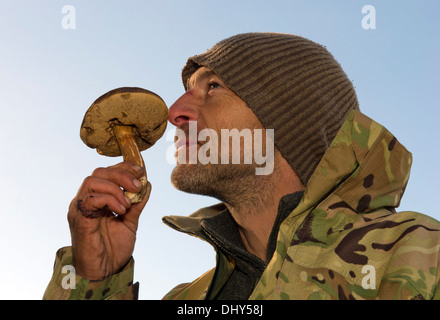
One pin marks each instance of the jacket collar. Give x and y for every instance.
(215, 225)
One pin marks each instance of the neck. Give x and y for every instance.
(256, 206)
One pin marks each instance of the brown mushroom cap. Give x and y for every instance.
(141, 109)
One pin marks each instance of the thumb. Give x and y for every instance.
(133, 213)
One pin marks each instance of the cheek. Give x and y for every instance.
(227, 113)
(241, 115)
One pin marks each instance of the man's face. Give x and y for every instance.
(214, 107)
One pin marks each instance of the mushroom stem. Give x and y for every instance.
(130, 152)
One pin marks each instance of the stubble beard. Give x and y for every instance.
(235, 184)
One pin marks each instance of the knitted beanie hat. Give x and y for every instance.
(292, 84)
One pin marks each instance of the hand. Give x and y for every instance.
(102, 221)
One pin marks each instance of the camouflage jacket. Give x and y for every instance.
(344, 240)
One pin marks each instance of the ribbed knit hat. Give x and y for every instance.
(292, 84)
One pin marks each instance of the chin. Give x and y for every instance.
(189, 178)
(218, 181)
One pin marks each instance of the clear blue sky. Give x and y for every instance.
(49, 76)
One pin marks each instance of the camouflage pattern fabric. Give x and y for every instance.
(65, 285)
(345, 239)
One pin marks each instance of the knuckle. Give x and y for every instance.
(98, 171)
(88, 180)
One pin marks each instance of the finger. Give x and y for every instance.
(120, 176)
(144, 201)
(136, 170)
(131, 167)
(96, 185)
(132, 214)
(104, 212)
(98, 201)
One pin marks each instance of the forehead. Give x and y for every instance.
(201, 74)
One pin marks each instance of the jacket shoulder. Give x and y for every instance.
(380, 255)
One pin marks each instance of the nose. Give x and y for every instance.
(183, 110)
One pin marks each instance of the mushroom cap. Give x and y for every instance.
(141, 109)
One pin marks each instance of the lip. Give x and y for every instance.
(184, 142)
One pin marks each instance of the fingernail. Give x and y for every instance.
(137, 168)
(137, 183)
(127, 201)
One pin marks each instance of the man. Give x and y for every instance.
(321, 225)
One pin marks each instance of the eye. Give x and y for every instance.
(213, 85)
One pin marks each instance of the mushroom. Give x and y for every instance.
(125, 121)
